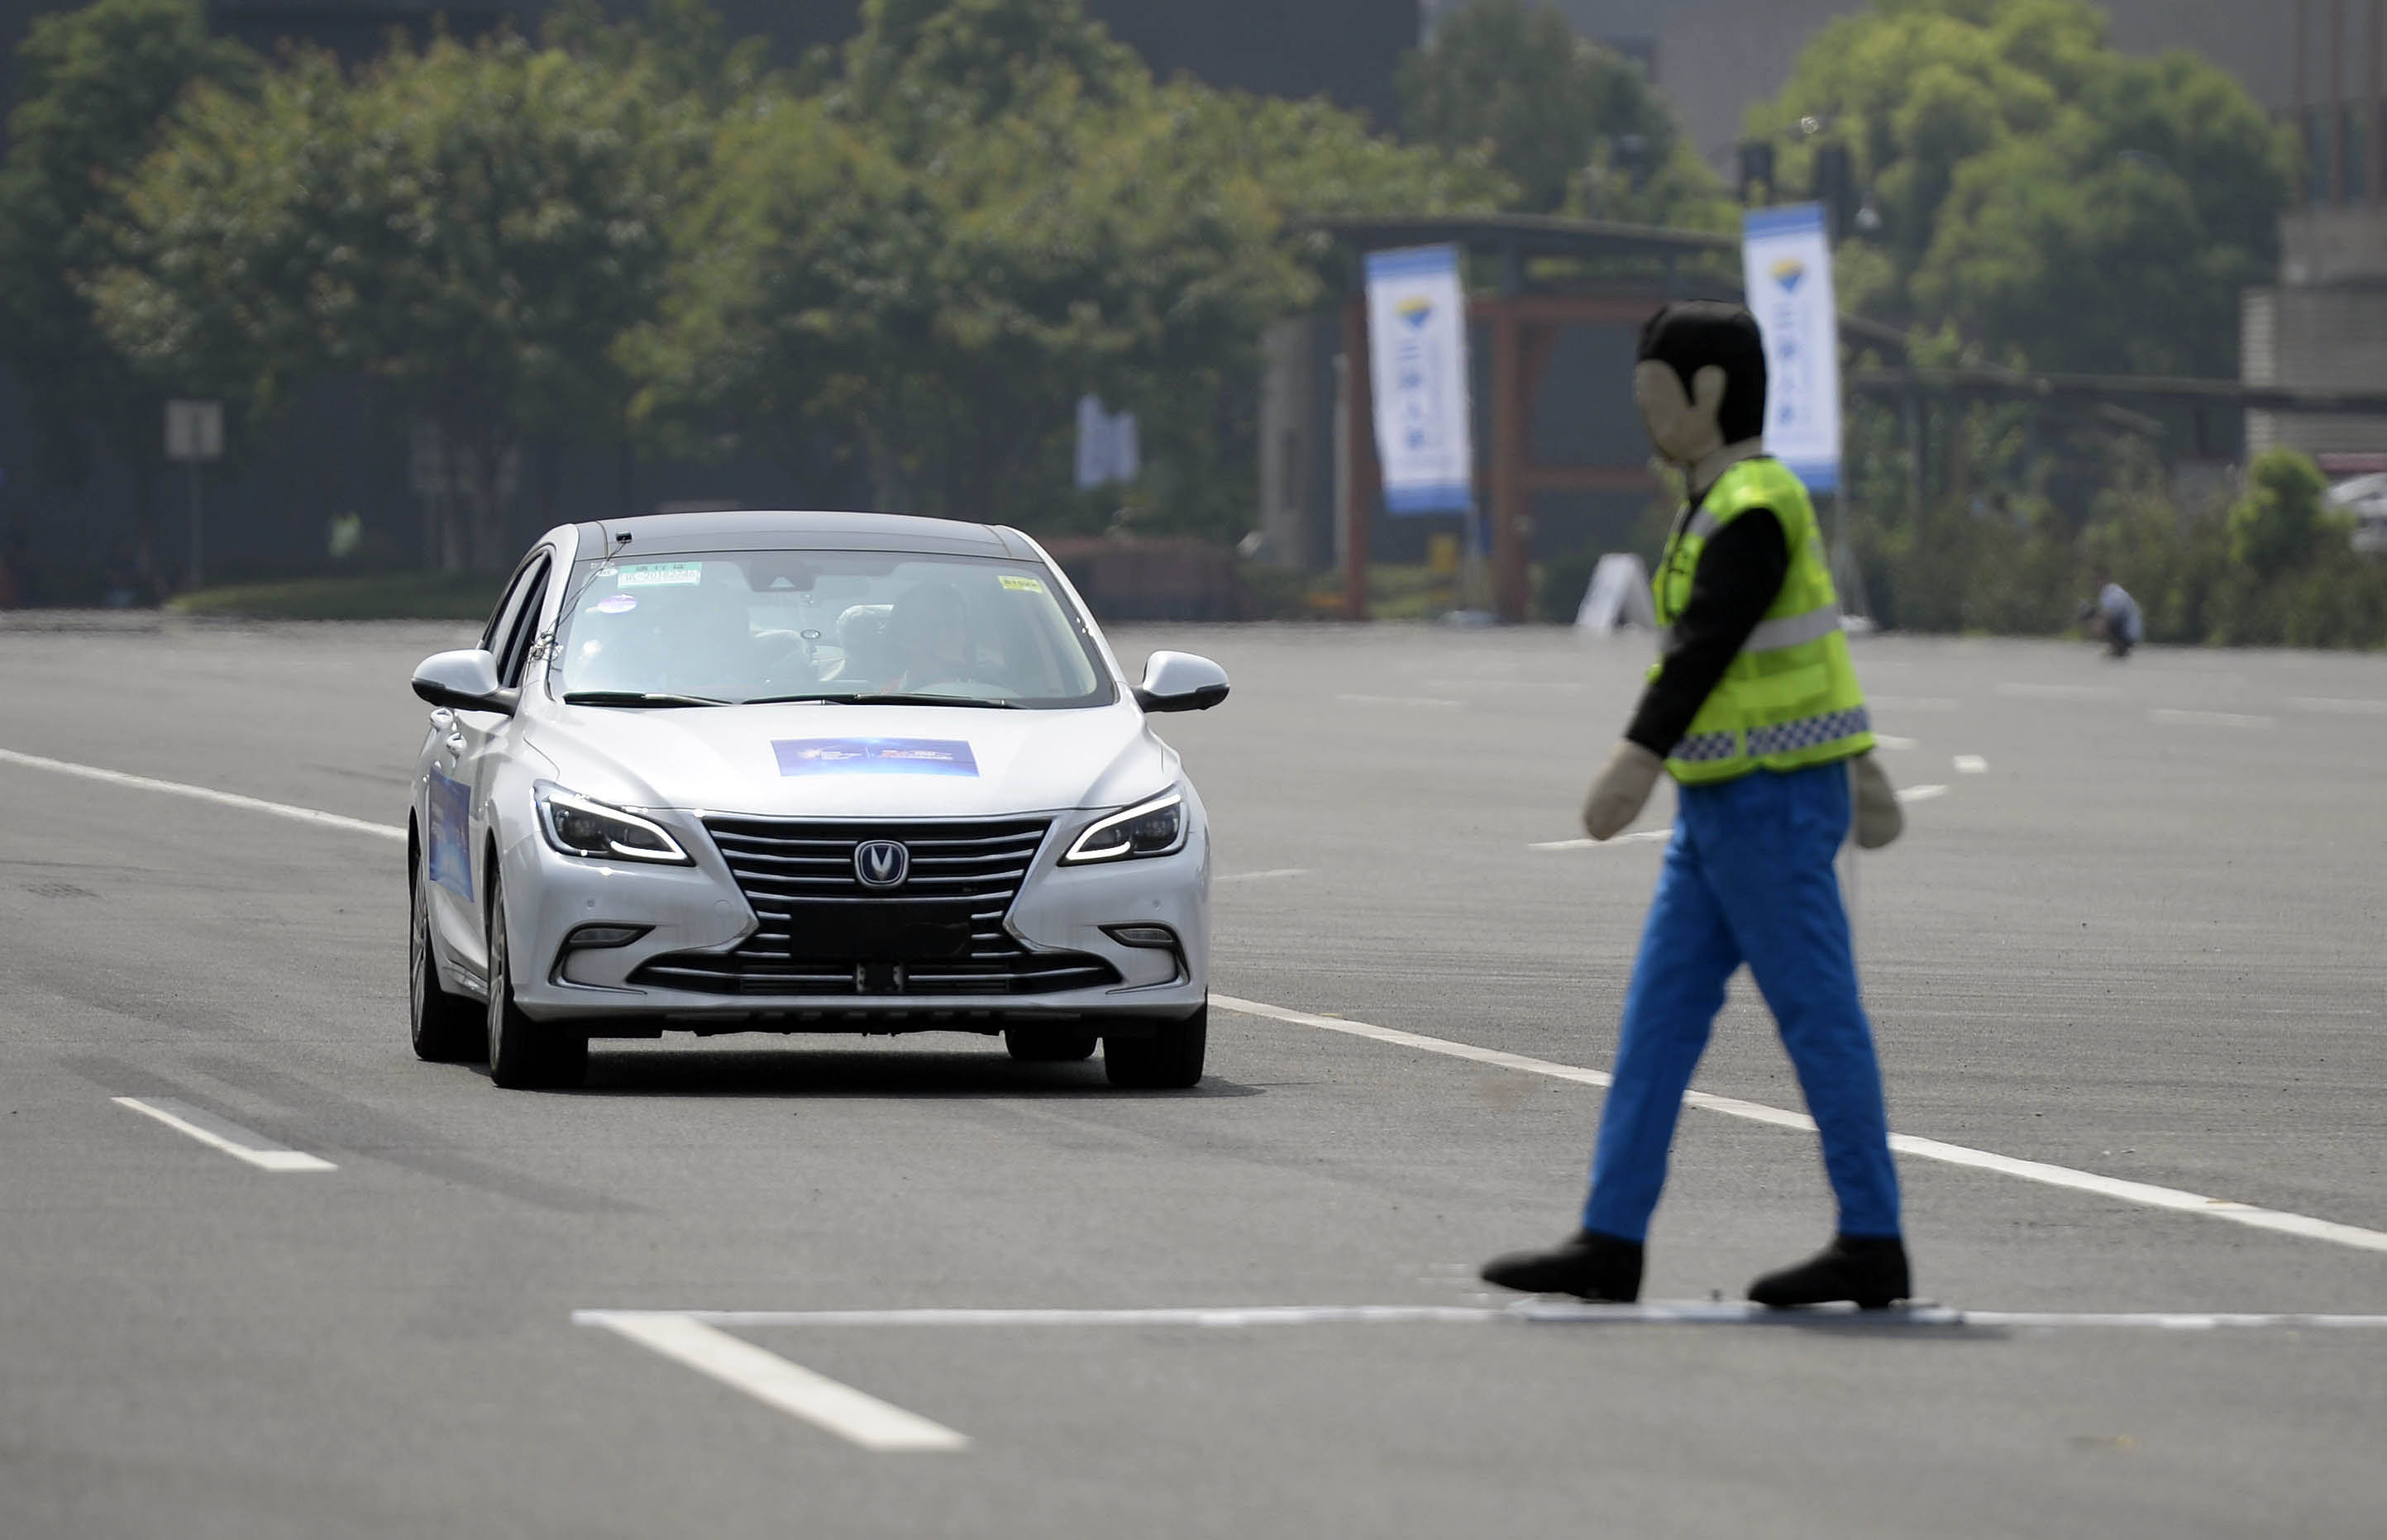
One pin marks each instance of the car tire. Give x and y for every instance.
(524, 1055)
(1168, 1059)
(447, 1028)
(1052, 1042)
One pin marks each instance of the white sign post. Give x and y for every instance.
(194, 435)
(1787, 266)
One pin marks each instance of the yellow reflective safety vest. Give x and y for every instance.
(1791, 698)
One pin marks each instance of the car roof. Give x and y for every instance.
(682, 534)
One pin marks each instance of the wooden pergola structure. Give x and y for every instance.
(1525, 322)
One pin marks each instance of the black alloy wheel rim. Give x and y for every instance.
(418, 960)
(498, 975)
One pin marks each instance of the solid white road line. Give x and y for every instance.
(1542, 1310)
(2144, 1193)
(217, 1134)
(1638, 837)
(2209, 719)
(1220, 1315)
(1262, 876)
(205, 794)
(791, 1388)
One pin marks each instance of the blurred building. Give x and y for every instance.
(2325, 322)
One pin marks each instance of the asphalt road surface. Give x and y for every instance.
(2123, 968)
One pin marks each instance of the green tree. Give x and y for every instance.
(94, 87)
(991, 211)
(2056, 201)
(1576, 126)
(475, 228)
(2282, 522)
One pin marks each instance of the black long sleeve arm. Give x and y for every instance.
(1740, 572)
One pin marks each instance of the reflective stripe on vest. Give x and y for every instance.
(1789, 698)
(1789, 631)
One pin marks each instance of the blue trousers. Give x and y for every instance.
(1748, 879)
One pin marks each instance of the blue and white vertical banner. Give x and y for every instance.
(1785, 258)
(1416, 349)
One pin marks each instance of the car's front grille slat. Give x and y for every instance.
(799, 876)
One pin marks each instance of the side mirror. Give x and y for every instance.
(465, 680)
(1180, 682)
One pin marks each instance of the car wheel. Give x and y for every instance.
(524, 1055)
(1169, 1059)
(1051, 1042)
(447, 1028)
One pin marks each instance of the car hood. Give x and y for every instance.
(856, 762)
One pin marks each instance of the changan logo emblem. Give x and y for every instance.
(881, 864)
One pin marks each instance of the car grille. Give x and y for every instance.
(823, 932)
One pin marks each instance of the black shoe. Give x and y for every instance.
(1869, 1271)
(1605, 1269)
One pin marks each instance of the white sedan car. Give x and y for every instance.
(800, 773)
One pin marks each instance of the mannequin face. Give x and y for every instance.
(1682, 426)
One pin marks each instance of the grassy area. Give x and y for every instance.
(384, 596)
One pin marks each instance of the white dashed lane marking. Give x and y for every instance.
(2144, 1194)
(217, 1133)
(2334, 707)
(2059, 692)
(2209, 719)
(1272, 874)
(1428, 702)
(1971, 764)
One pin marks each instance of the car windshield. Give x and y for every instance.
(732, 627)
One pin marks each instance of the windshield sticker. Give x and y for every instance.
(614, 604)
(452, 812)
(660, 574)
(1024, 585)
(874, 756)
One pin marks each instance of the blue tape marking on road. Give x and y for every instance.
(874, 756)
(451, 816)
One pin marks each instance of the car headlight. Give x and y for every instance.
(1156, 828)
(576, 825)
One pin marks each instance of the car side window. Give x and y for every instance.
(500, 626)
(524, 626)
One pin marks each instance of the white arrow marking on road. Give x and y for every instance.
(2140, 1192)
(205, 794)
(791, 1388)
(217, 1134)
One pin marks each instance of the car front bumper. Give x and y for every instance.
(700, 908)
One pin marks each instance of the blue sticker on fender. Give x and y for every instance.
(874, 756)
(451, 817)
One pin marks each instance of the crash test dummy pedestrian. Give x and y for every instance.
(1753, 709)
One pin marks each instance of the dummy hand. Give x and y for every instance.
(1617, 797)
(1878, 818)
